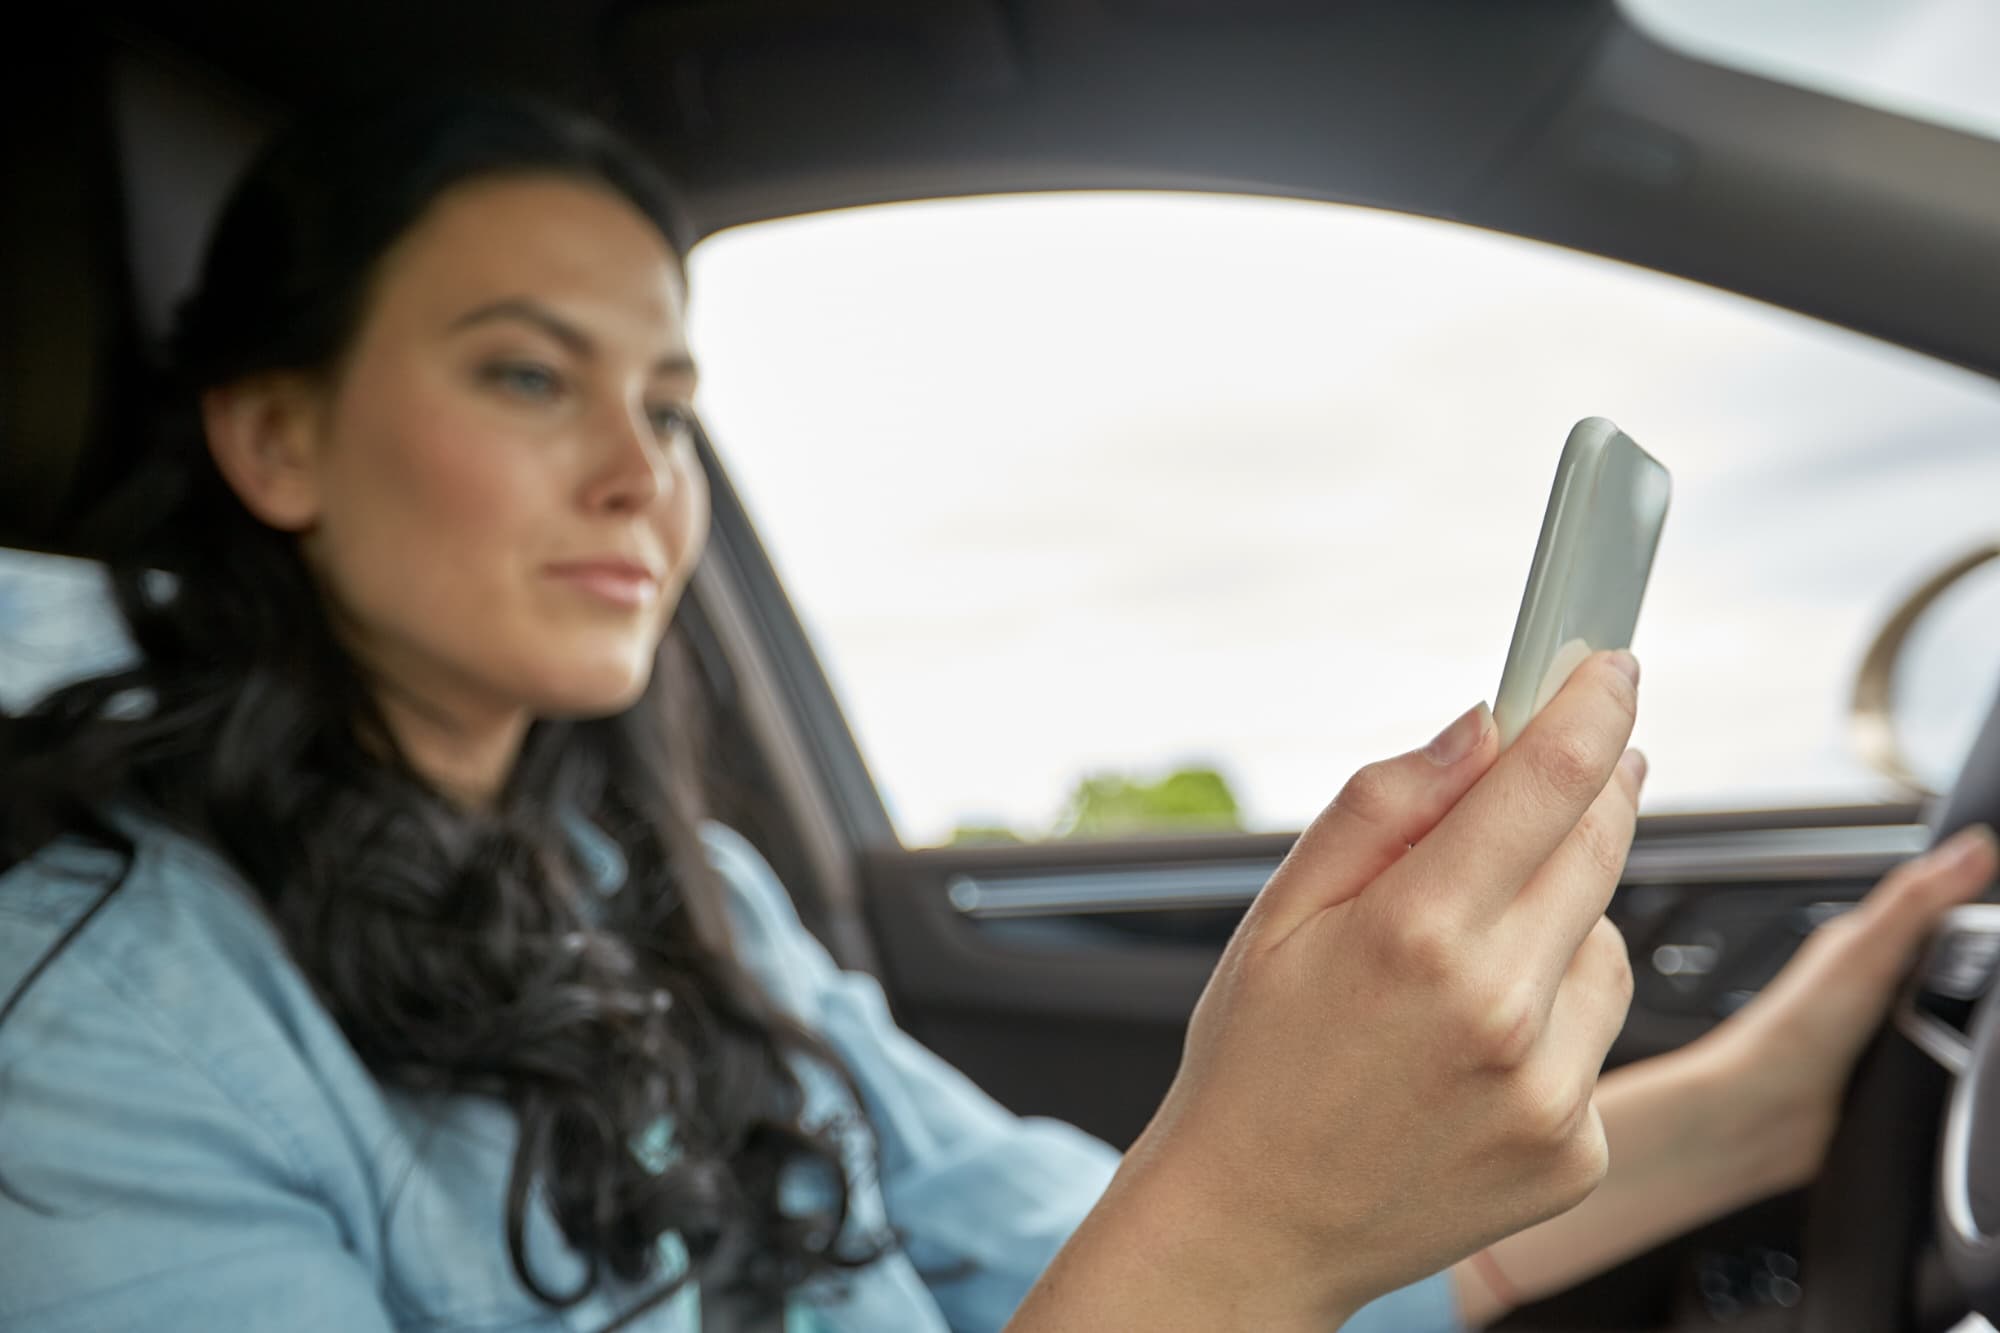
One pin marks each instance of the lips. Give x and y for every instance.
(610, 579)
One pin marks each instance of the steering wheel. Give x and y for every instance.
(1902, 1230)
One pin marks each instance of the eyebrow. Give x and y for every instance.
(569, 335)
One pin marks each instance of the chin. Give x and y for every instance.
(601, 693)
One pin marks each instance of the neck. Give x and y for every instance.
(467, 754)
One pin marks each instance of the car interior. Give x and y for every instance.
(1060, 975)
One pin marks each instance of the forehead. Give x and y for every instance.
(581, 248)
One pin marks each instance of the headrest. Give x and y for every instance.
(60, 279)
(58, 625)
(182, 142)
(109, 197)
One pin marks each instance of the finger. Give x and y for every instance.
(1382, 811)
(1495, 839)
(1911, 898)
(1591, 1004)
(1568, 896)
(1856, 958)
(1900, 912)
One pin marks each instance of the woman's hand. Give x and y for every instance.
(1394, 1061)
(1790, 1050)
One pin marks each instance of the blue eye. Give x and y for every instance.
(524, 379)
(671, 422)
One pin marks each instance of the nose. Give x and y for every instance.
(630, 471)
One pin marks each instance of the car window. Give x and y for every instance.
(1109, 513)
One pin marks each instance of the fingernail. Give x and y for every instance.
(1634, 762)
(1957, 851)
(1626, 663)
(1461, 737)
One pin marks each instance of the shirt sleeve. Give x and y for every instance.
(984, 1198)
(138, 1193)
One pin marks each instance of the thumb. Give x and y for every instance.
(1383, 811)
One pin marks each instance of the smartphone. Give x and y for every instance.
(1596, 551)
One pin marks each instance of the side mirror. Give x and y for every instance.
(1928, 677)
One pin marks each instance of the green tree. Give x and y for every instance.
(987, 834)
(1115, 805)
(1187, 800)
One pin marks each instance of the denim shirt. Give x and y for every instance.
(209, 1153)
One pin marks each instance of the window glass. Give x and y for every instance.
(1116, 512)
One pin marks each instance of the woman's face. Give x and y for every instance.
(507, 503)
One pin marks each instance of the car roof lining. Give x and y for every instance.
(1554, 119)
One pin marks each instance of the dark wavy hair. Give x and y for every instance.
(452, 947)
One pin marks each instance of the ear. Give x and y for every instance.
(264, 434)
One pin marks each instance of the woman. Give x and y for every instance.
(370, 965)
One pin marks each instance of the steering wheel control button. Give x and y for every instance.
(1936, 1010)
(1962, 965)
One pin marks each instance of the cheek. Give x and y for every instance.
(424, 514)
(687, 515)
(682, 525)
